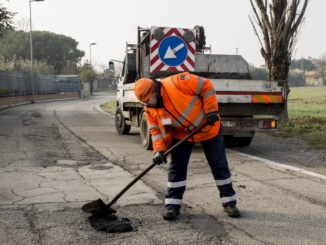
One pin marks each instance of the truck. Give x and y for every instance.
(245, 105)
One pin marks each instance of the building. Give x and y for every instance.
(314, 78)
(318, 76)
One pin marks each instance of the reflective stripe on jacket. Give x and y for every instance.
(187, 99)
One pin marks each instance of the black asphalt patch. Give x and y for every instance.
(110, 223)
(207, 225)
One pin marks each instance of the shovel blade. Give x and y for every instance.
(97, 206)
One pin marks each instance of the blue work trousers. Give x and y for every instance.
(214, 149)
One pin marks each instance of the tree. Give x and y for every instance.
(279, 21)
(87, 74)
(15, 43)
(6, 22)
(296, 79)
(302, 64)
(258, 73)
(24, 66)
(59, 50)
(56, 50)
(322, 68)
(23, 25)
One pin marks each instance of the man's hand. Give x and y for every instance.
(159, 158)
(212, 118)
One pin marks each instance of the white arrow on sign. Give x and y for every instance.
(170, 54)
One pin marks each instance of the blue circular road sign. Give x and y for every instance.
(173, 51)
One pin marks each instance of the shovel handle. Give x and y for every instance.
(153, 165)
(185, 139)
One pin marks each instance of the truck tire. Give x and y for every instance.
(245, 141)
(230, 141)
(120, 122)
(145, 135)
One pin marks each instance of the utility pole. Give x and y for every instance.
(90, 52)
(32, 61)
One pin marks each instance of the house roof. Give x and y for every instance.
(316, 61)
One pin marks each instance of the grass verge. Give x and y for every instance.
(307, 116)
(110, 105)
(313, 134)
(110, 91)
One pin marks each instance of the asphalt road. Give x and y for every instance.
(56, 156)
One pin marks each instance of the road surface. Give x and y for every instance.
(57, 156)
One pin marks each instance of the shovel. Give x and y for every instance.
(99, 206)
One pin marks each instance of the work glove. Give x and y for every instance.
(159, 158)
(212, 118)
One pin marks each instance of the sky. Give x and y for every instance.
(110, 24)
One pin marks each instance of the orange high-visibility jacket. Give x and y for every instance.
(187, 99)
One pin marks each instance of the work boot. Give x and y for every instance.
(232, 211)
(171, 214)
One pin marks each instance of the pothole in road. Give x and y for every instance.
(207, 225)
(110, 223)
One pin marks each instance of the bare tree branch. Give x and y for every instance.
(279, 25)
(266, 49)
(300, 18)
(272, 17)
(256, 32)
(289, 22)
(263, 11)
(256, 14)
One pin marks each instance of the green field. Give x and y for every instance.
(307, 116)
(307, 102)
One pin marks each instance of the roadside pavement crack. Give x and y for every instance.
(22, 197)
(34, 226)
(83, 178)
(138, 193)
(103, 194)
(112, 154)
(62, 192)
(248, 234)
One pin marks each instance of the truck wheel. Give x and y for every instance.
(231, 141)
(245, 141)
(120, 122)
(145, 135)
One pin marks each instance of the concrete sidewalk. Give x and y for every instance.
(65, 183)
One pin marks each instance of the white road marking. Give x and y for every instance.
(281, 165)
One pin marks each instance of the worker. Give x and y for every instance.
(174, 107)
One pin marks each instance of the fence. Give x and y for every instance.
(20, 84)
(104, 84)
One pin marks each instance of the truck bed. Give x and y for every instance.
(236, 97)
